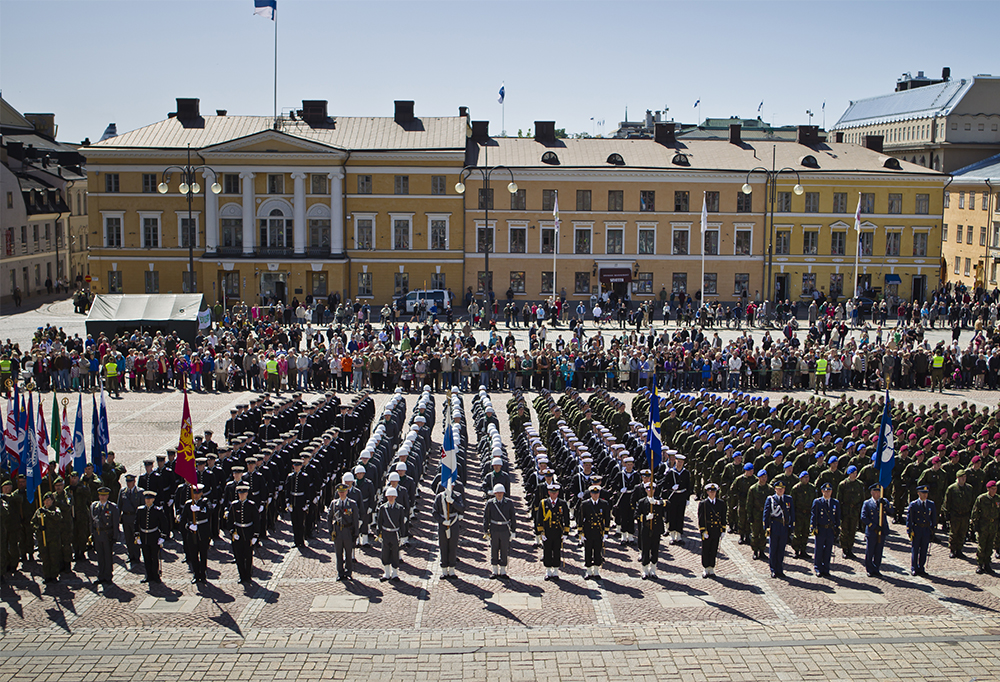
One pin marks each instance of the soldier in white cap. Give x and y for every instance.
(499, 525)
(448, 510)
(196, 520)
(390, 519)
(497, 475)
(552, 521)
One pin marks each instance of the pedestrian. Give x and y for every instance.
(875, 524)
(778, 519)
(712, 522)
(921, 517)
(825, 520)
(499, 525)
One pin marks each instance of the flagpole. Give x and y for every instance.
(857, 246)
(275, 14)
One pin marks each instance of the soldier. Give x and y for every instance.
(712, 522)
(79, 495)
(111, 474)
(196, 523)
(959, 499)
(852, 496)
(825, 519)
(936, 484)
(985, 516)
(649, 517)
(803, 496)
(24, 514)
(389, 519)
(739, 490)
(9, 552)
(244, 518)
(594, 522)
(625, 482)
(345, 526)
(778, 519)
(497, 476)
(129, 501)
(551, 522)
(46, 522)
(499, 525)
(678, 483)
(921, 517)
(297, 486)
(104, 522)
(62, 501)
(448, 510)
(756, 499)
(150, 526)
(876, 527)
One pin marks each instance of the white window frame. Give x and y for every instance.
(369, 276)
(364, 216)
(607, 233)
(104, 226)
(717, 229)
(674, 229)
(639, 227)
(577, 227)
(446, 217)
(735, 233)
(182, 215)
(393, 217)
(159, 228)
(518, 225)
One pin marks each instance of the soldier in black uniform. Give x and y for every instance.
(649, 520)
(448, 510)
(712, 523)
(195, 521)
(497, 476)
(594, 521)
(677, 486)
(921, 518)
(551, 522)
(345, 527)
(297, 493)
(149, 526)
(244, 519)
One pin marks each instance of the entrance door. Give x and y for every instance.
(919, 288)
(272, 284)
(780, 288)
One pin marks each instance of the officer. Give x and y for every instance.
(297, 488)
(129, 501)
(499, 525)
(985, 516)
(825, 519)
(104, 522)
(778, 519)
(150, 528)
(921, 517)
(649, 512)
(875, 524)
(244, 519)
(389, 519)
(10, 553)
(345, 527)
(958, 501)
(449, 507)
(46, 523)
(821, 364)
(712, 523)
(551, 521)
(594, 522)
(937, 369)
(196, 524)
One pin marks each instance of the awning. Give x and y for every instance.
(893, 279)
(616, 275)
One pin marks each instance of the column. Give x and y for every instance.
(248, 213)
(336, 213)
(211, 213)
(299, 214)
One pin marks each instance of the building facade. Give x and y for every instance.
(970, 235)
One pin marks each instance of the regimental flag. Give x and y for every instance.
(22, 438)
(265, 8)
(449, 457)
(885, 451)
(65, 445)
(185, 448)
(43, 440)
(29, 453)
(96, 451)
(79, 442)
(555, 212)
(105, 432)
(654, 441)
(501, 94)
(12, 456)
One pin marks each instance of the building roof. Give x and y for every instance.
(354, 133)
(987, 169)
(924, 102)
(717, 155)
(11, 118)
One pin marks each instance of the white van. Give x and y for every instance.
(434, 297)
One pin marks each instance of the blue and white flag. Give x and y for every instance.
(696, 104)
(654, 441)
(760, 106)
(79, 442)
(885, 451)
(501, 94)
(449, 457)
(265, 8)
(30, 454)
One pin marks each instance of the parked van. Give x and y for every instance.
(434, 297)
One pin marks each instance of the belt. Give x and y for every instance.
(200, 522)
(297, 494)
(149, 530)
(243, 525)
(500, 523)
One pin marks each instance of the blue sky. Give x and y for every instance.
(125, 61)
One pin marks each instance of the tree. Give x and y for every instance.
(561, 134)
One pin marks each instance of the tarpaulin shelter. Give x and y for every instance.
(112, 314)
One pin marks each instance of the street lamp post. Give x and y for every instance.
(189, 186)
(486, 172)
(770, 191)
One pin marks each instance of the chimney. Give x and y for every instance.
(221, 112)
(188, 108)
(45, 124)
(480, 131)
(839, 136)
(808, 135)
(463, 111)
(657, 117)
(874, 142)
(649, 119)
(314, 111)
(946, 73)
(735, 129)
(404, 111)
(545, 131)
(663, 133)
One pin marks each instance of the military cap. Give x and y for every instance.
(960, 472)
(748, 466)
(104, 490)
(342, 486)
(201, 460)
(48, 496)
(391, 492)
(645, 472)
(149, 493)
(148, 460)
(935, 459)
(851, 469)
(804, 473)
(826, 486)
(833, 458)
(711, 486)
(922, 489)
(991, 484)
(6, 481)
(550, 486)
(197, 488)
(595, 489)
(977, 458)
(778, 483)
(242, 488)
(297, 462)
(161, 457)
(874, 486)
(762, 472)
(498, 488)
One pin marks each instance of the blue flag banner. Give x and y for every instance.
(96, 454)
(22, 438)
(30, 454)
(501, 94)
(79, 442)
(885, 451)
(449, 457)
(265, 8)
(654, 442)
(696, 104)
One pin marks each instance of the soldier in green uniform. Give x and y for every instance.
(111, 474)
(934, 479)
(66, 508)
(803, 495)
(10, 520)
(852, 496)
(756, 498)
(47, 523)
(25, 512)
(985, 516)
(81, 499)
(975, 476)
(740, 488)
(959, 499)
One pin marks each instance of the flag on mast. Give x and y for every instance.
(654, 442)
(185, 449)
(96, 453)
(857, 216)
(79, 442)
(265, 8)
(885, 450)
(704, 218)
(105, 433)
(65, 445)
(12, 455)
(696, 104)
(22, 438)
(555, 212)
(501, 94)
(30, 453)
(449, 457)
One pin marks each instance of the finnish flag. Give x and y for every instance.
(501, 94)
(265, 8)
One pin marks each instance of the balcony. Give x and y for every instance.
(230, 251)
(274, 251)
(314, 252)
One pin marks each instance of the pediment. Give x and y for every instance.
(271, 142)
(839, 225)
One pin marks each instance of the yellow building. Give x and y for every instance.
(970, 236)
(630, 217)
(310, 204)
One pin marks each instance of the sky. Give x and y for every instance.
(578, 63)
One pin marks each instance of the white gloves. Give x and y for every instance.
(676, 486)
(704, 535)
(624, 490)
(288, 507)
(649, 517)
(260, 509)
(160, 542)
(192, 527)
(253, 541)
(195, 507)
(579, 495)
(722, 535)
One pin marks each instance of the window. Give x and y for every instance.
(230, 183)
(867, 241)
(743, 242)
(744, 203)
(437, 185)
(581, 240)
(401, 234)
(711, 284)
(518, 200)
(188, 232)
(682, 201)
(616, 200)
(548, 199)
(79, 210)
(808, 283)
(783, 242)
(895, 203)
(114, 281)
(546, 287)
(581, 283)
(867, 202)
(812, 202)
(838, 243)
(10, 204)
(437, 280)
(679, 283)
(276, 230)
(923, 205)
(972, 201)
(712, 201)
(231, 284)
(485, 198)
(944, 233)
(680, 245)
(439, 234)
(961, 199)
(548, 240)
(149, 184)
(150, 233)
(783, 202)
(189, 282)
(112, 231)
(366, 233)
(401, 184)
(481, 280)
(319, 184)
(892, 243)
(711, 242)
(647, 241)
(986, 198)
(583, 199)
(993, 271)
(318, 283)
(400, 283)
(968, 266)
(517, 281)
(365, 284)
(836, 284)
(741, 284)
(152, 281)
(364, 184)
(840, 202)
(275, 183)
(642, 285)
(319, 234)
(111, 183)
(968, 234)
(919, 243)
(947, 199)
(958, 264)
(615, 241)
(959, 231)
(518, 240)
(484, 239)
(996, 234)
(982, 236)
(647, 201)
(232, 232)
